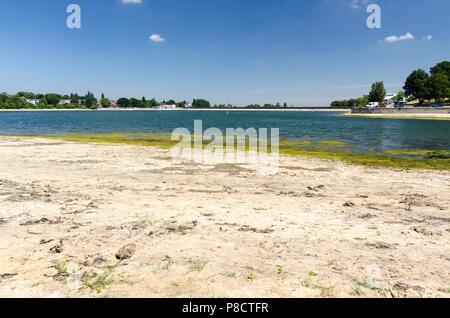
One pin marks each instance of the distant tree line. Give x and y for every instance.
(23, 100)
(419, 85)
(277, 105)
(28, 100)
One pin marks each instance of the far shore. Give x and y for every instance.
(429, 116)
(325, 109)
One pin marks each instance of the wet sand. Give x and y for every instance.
(318, 228)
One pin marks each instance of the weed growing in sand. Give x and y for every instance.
(250, 277)
(365, 284)
(197, 265)
(61, 272)
(336, 266)
(312, 274)
(98, 282)
(324, 291)
(168, 263)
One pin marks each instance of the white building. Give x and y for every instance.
(33, 101)
(390, 98)
(163, 107)
(65, 101)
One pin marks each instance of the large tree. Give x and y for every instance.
(441, 68)
(417, 84)
(53, 99)
(439, 86)
(378, 92)
(105, 102)
(90, 100)
(123, 102)
(200, 103)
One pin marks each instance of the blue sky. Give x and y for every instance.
(303, 52)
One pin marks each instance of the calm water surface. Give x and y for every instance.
(362, 134)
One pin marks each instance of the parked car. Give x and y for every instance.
(437, 105)
(372, 105)
(382, 106)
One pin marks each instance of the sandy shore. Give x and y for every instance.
(318, 228)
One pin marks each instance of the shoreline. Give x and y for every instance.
(178, 109)
(425, 116)
(398, 159)
(312, 230)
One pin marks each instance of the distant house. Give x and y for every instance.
(390, 98)
(163, 107)
(114, 102)
(188, 105)
(65, 101)
(33, 101)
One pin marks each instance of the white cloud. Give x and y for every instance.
(427, 37)
(157, 38)
(394, 38)
(131, 1)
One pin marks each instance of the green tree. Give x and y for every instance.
(201, 103)
(3, 98)
(16, 102)
(105, 102)
(89, 100)
(53, 99)
(152, 103)
(378, 92)
(417, 85)
(135, 102)
(439, 86)
(399, 97)
(43, 103)
(441, 68)
(123, 102)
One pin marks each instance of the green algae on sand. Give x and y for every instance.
(328, 149)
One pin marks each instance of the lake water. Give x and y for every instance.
(361, 134)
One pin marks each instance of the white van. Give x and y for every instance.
(372, 105)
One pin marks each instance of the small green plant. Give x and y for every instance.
(197, 265)
(97, 281)
(312, 274)
(336, 266)
(61, 272)
(250, 277)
